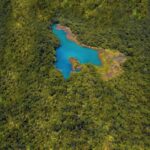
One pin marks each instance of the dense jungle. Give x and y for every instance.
(40, 110)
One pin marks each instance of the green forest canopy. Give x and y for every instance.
(40, 110)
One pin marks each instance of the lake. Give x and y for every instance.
(69, 49)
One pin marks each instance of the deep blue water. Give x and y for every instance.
(70, 49)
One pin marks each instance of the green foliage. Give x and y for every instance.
(41, 110)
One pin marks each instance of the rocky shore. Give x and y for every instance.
(76, 66)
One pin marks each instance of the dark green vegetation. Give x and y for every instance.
(39, 110)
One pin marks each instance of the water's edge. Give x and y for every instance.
(70, 48)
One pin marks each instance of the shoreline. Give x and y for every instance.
(73, 37)
(111, 60)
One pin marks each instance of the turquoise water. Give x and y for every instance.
(69, 49)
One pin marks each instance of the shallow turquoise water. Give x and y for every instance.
(70, 49)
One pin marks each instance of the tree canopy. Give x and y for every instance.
(41, 110)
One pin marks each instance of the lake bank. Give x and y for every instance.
(73, 37)
(70, 52)
(111, 60)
